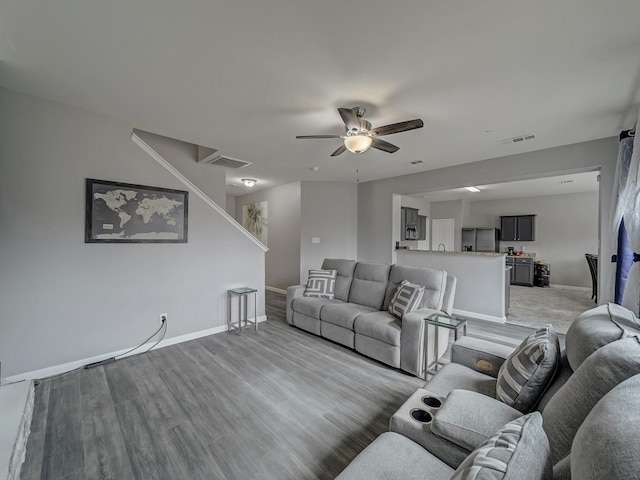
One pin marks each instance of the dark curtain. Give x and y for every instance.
(624, 254)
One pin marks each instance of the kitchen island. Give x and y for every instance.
(482, 289)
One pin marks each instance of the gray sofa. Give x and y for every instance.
(589, 413)
(358, 316)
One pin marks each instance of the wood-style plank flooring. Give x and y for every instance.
(274, 404)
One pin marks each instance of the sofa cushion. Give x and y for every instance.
(434, 281)
(604, 369)
(344, 269)
(598, 327)
(406, 299)
(453, 376)
(379, 325)
(311, 306)
(343, 314)
(393, 456)
(528, 371)
(369, 284)
(459, 419)
(519, 450)
(320, 284)
(607, 445)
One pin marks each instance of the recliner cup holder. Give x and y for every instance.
(432, 402)
(420, 415)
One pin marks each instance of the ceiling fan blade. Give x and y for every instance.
(397, 127)
(350, 119)
(384, 146)
(318, 136)
(341, 149)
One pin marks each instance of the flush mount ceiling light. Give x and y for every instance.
(473, 189)
(358, 143)
(249, 182)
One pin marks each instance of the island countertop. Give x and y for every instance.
(452, 252)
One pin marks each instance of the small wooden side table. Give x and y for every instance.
(445, 321)
(243, 294)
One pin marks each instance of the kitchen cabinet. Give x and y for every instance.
(409, 223)
(518, 228)
(522, 270)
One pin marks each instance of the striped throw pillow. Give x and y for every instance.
(321, 284)
(518, 451)
(526, 374)
(406, 299)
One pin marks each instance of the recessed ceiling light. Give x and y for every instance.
(314, 169)
(249, 182)
(416, 162)
(473, 189)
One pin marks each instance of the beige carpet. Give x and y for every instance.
(536, 306)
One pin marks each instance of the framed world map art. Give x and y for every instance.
(127, 213)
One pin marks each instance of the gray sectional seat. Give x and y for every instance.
(588, 412)
(358, 317)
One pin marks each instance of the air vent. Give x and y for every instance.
(225, 161)
(519, 139)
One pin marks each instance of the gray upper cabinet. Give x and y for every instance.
(518, 228)
(410, 223)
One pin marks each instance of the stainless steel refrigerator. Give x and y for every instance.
(480, 239)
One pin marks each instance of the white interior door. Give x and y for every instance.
(442, 233)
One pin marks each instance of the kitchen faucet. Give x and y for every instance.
(444, 248)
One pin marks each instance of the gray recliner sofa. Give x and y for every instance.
(358, 316)
(605, 446)
(602, 352)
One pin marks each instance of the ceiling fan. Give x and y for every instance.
(360, 136)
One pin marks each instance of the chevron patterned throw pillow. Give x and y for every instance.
(525, 375)
(406, 299)
(321, 283)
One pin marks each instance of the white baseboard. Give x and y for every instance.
(69, 366)
(277, 290)
(479, 316)
(570, 287)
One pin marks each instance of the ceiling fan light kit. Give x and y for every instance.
(358, 143)
(360, 136)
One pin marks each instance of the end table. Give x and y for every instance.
(243, 313)
(439, 320)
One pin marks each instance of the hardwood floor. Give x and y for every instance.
(274, 404)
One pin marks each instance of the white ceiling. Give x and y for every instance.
(246, 77)
(574, 183)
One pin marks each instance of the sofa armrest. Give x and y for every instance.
(293, 292)
(412, 352)
(468, 418)
(480, 355)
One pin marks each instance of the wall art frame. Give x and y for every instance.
(117, 212)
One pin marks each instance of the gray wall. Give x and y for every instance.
(182, 155)
(62, 300)
(566, 229)
(375, 198)
(282, 267)
(298, 212)
(329, 212)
